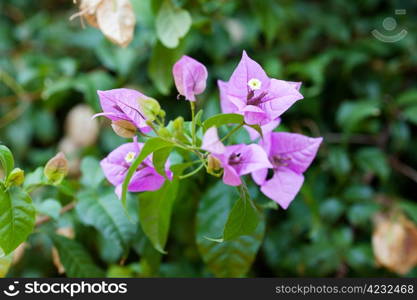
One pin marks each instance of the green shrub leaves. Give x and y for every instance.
(229, 258)
(17, 218)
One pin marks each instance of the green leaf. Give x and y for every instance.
(269, 16)
(150, 259)
(6, 160)
(243, 218)
(160, 66)
(5, 263)
(116, 271)
(351, 114)
(408, 98)
(339, 161)
(151, 145)
(17, 218)
(75, 259)
(374, 160)
(106, 214)
(89, 83)
(172, 24)
(50, 207)
(34, 179)
(92, 175)
(332, 209)
(411, 114)
(230, 258)
(155, 210)
(257, 128)
(361, 214)
(159, 159)
(222, 119)
(120, 60)
(198, 117)
(410, 208)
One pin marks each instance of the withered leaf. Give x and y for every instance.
(394, 243)
(116, 20)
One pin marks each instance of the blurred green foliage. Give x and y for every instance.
(360, 95)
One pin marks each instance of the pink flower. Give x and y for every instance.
(236, 160)
(253, 94)
(190, 77)
(290, 154)
(124, 104)
(117, 163)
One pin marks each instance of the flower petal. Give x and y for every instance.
(281, 96)
(296, 85)
(124, 101)
(255, 115)
(212, 143)
(227, 106)
(114, 165)
(283, 186)
(230, 176)
(246, 70)
(298, 150)
(146, 179)
(253, 158)
(259, 176)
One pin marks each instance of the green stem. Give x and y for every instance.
(18, 90)
(195, 171)
(192, 104)
(231, 132)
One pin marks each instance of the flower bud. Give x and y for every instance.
(16, 177)
(190, 77)
(150, 108)
(214, 165)
(56, 169)
(164, 132)
(178, 124)
(124, 128)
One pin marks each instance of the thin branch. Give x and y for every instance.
(362, 139)
(402, 168)
(45, 219)
(19, 91)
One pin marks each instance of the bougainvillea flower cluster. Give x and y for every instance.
(275, 160)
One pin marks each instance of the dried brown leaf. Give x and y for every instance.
(116, 20)
(394, 243)
(87, 11)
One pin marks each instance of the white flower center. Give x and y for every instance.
(254, 84)
(130, 156)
